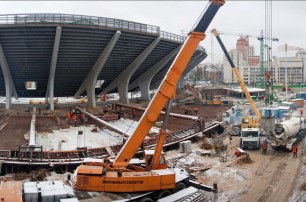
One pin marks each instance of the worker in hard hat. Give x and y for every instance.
(264, 147)
(133, 113)
(294, 151)
(68, 116)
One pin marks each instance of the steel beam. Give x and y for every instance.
(9, 84)
(122, 81)
(50, 86)
(89, 82)
(145, 79)
(179, 116)
(124, 134)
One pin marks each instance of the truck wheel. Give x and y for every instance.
(180, 186)
(163, 194)
(145, 199)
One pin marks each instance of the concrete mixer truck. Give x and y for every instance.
(288, 133)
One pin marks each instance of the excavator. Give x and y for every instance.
(151, 173)
(215, 102)
(250, 129)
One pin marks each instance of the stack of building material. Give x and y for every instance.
(46, 191)
(185, 147)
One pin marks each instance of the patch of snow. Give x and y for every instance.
(68, 139)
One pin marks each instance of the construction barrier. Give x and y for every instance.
(5, 153)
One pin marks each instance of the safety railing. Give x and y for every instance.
(91, 21)
(172, 37)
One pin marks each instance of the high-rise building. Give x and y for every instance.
(254, 60)
(237, 57)
(243, 46)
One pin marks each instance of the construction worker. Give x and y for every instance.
(75, 120)
(104, 98)
(195, 110)
(134, 114)
(68, 116)
(264, 148)
(186, 111)
(294, 151)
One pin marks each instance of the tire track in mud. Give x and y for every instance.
(267, 176)
(286, 180)
(273, 183)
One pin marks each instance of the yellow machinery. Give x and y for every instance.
(120, 175)
(216, 101)
(249, 126)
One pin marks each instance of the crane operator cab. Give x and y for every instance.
(149, 157)
(248, 122)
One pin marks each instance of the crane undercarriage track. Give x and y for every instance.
(11, 139)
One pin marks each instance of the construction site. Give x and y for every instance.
(125, 123)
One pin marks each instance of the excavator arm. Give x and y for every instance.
(167, 87)
(238, 76)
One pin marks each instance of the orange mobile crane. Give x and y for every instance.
(120, 175)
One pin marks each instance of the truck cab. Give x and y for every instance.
(250, 138)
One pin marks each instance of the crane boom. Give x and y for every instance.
(152, 174)
(238, 76)
(167, 88)
(261, 37)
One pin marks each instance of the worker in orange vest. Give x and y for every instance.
(264, 147)
(134, 114)
(294, 151)
(68, 116)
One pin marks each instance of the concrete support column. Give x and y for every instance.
(144, 87)
(8, 93)
(90, 89)
(145, 79)
(192, 64)
(50, 86)
(122, 81)
(90, 81)
(9, 84)
(123, 91)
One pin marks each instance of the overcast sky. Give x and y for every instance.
(289, 18)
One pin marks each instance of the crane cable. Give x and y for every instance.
(268, 42)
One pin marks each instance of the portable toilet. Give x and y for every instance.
(303, 95)
(254, 97)
(225, 102)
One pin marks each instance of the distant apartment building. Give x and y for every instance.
(249, 66)
(253, 60)
(242, 45)
(237, 57)
(295, 69)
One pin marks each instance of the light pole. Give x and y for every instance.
(286, 77)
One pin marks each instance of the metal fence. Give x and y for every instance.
(172, 37)
(91, 21)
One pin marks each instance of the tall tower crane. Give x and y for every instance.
(261, 38)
